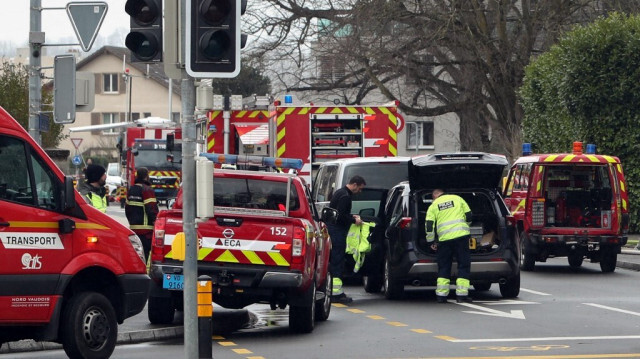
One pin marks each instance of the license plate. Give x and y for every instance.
(173, 282)
(472, 243)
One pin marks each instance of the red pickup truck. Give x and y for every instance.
(265, 244)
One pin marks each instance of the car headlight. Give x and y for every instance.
(137, 246)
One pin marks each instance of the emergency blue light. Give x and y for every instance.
(526, 149)
(288, 99)
(278, 162)
(591, 149)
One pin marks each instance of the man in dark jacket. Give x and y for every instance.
(142, 209)
(341, 201)
(92, 188)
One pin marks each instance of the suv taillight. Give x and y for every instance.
(302, 236)
(157, 243)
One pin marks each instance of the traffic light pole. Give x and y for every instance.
(35, 84)
(188, 218)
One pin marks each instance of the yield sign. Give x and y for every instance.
(76, 142)
(86, 18)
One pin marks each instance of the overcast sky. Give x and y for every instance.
(14, 20)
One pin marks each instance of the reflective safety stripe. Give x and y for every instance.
(462, 287)
(140, 226)
(454, 229)
(442, 287)
(337, 287)
(149, 200)
(444, 224)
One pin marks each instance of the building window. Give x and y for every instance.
(109, 118)
(147, 114)
(425, 135)
(110, 83)
(175, 117)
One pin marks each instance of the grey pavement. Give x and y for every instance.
(138, 329)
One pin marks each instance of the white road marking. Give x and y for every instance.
(489, 340)
(533, 291)
(503, 302)
(612, 308)
(515, 314)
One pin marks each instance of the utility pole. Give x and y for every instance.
(36, 39)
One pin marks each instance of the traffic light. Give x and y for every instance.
(145, 38)
(213, 38)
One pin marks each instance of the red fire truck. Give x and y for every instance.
(572, 205)
(311, 132)
(148, 147)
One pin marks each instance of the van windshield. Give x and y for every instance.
(381, 175)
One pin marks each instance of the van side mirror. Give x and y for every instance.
(329, 215)
(68, 196)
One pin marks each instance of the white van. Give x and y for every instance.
(114, 178)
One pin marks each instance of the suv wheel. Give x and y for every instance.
(323, 306)
(511, 288)
(608, 261)
(575, 259)
(392, 287)
(373, 282)
(527, 260)
(302, 317)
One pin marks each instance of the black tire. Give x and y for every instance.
(527, 260)
(302, 317)
(373, 283)
(323, 306)
(160, 310)
(608, 262)
(575, 260)
(511, 288)
(482, 286)
(89, 329)
(393, 289)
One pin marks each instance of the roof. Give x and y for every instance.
(156, 70)
(368, 159)
(563, 158)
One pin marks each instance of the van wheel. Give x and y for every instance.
(527, 260)
(608, 261)
(373, 283)
(160, 310)
(575, 260)
(302, 317)
(323, 306)
(88, 327)
(511, 288)
(392, 287)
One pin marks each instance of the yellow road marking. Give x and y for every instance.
(445, 337)
(255, 358)
(397, 324)
(357, 311)
(242, 351)
(421, 331)
(570, 356)
(375, 317)
(338, 305)
(217, 337)
(227, 344)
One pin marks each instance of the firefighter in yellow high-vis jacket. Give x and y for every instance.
(448, 218)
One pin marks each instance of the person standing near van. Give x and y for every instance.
(448, 217)
(92, 188)
(341, 201)
(141, 209)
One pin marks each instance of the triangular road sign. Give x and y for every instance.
(86, 19)
(76, 142)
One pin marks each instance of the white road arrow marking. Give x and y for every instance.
(514, 314)
(503, 302)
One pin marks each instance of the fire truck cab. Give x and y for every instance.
(69, 273)
(572, 205)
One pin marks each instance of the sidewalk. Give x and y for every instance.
(138, 330)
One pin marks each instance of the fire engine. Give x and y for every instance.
(148, 147)
(572, 205)
(311, 132)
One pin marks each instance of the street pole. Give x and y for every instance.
(188, 217)
(36, 39)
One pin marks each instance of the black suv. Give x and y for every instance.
(494, 247)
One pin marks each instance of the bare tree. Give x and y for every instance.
(433, 56)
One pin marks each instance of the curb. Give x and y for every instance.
(139, 336)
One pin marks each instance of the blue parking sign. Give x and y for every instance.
(76, 160)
